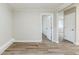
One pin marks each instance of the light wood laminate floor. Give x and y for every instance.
(44, 48)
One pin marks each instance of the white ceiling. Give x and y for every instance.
(34, 5)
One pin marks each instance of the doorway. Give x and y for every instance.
(47, 25)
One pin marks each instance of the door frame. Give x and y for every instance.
(42, 14)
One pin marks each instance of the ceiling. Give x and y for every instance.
(34, 5)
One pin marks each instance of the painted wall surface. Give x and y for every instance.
(28, 25)
(55, 27)
(61, 25)
(5, 24)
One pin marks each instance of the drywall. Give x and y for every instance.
(28, 24)
(60, 25)
(55, 27)
(5, 24)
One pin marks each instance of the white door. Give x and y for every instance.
(49, 27)
(44, 25)
(69, 29)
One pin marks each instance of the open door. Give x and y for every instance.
(44, 25)
(47, 26)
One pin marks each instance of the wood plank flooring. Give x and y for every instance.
(44, 48)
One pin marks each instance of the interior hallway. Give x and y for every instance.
(45, 48)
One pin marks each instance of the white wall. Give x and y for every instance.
(55, 27)
(28, 25)
(5, 24)
(60, 25)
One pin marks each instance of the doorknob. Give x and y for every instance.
(72, 29)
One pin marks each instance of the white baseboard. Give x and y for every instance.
(76, 43)
(55, 41)
(28, 40)
(5, 46)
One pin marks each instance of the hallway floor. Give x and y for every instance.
(45, 48)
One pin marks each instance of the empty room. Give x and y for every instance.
(39, 29)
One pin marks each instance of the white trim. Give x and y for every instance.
(62, 7)
(76, 43)
(5, 46)
(55, 41)
(28, 41)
